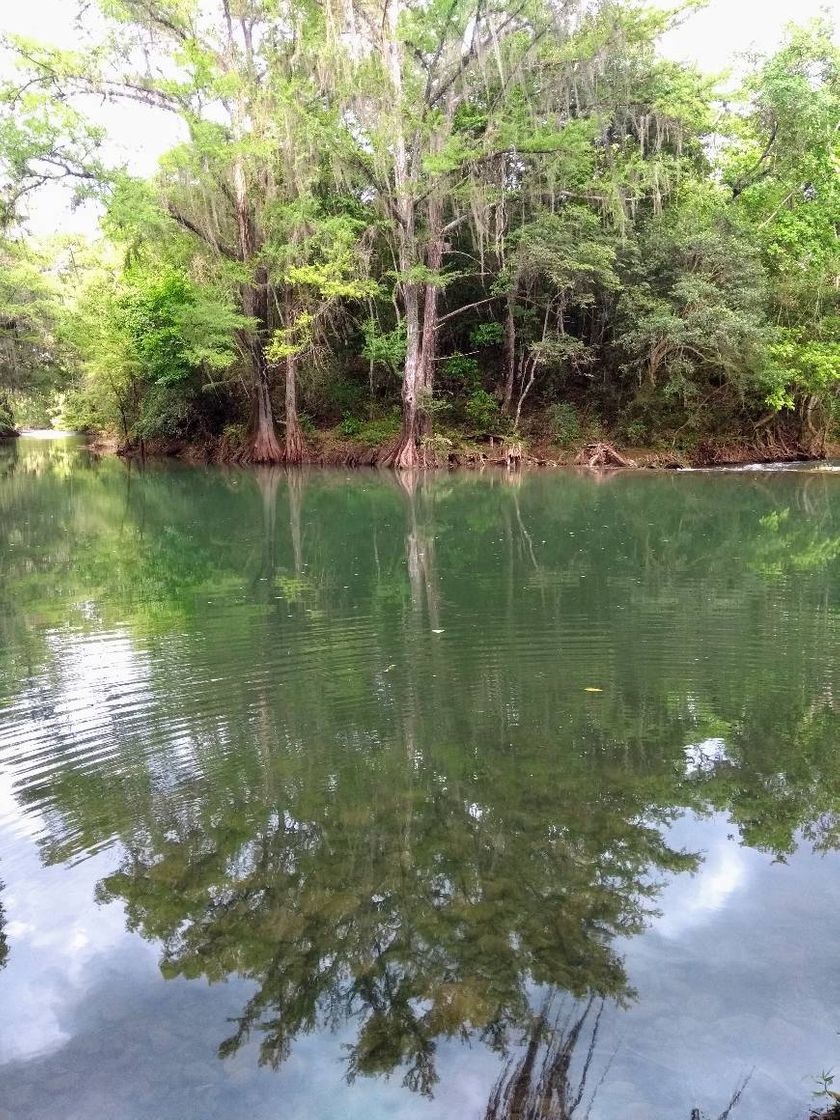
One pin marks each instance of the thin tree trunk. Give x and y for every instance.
(294, 449)
(428, 353)
(404, 453)
(510, 357)
(264, 445)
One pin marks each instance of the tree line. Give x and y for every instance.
(411, 223)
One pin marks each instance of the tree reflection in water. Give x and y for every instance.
(537, 1085)
(368, 776)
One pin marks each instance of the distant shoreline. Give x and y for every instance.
(323, 449)
(326, 451)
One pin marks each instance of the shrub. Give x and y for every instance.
(483, 410)
(564, 423)
(381, 430)
(486, 334)
(233, 440)
(437, 445)
(462, 370)
(167, 412)
(350, 427)
(7, 426)
(636, 432)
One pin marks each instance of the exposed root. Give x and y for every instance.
(602, 455)
(404, 455)
(513, 454)
(407, 454)
(264, 447)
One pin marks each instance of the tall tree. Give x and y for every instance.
(420, 72)
(783, 170)
(244, 81)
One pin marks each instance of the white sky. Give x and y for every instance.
(713, 38)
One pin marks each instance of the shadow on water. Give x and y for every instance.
(404, 752)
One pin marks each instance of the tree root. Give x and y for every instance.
(602, 455)
(264, 448)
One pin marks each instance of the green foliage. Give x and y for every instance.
(384, 347)
(636, 432)
(32, 355)
(803, 365)
(564, 423)
(148, 341)
(380, 431)
(486, 334)
(482, 409)
(461, 370)
(557, 228)
(693, 317)
(350, 426)
(572, 250)
(7, 424)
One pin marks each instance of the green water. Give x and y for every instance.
(309, 807)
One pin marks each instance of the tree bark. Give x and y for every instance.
(265, 447)
(428, 352)
(294, 449)
(404, 454)
(510, 357)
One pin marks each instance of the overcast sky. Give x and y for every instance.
(713, 38)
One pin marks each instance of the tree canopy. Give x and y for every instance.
(417, 222)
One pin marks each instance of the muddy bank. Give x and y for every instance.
(324, 449)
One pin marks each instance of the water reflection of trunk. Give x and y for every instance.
(4, 946)
(420, 549)
(295, 490)
(513, 482)
(268, 482)
(425, 601)
(538, 1084)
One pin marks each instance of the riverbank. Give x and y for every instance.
(328, 448)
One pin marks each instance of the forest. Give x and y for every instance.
(414, 229)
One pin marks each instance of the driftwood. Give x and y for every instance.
(602, 455)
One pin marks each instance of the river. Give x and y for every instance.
(344, 794)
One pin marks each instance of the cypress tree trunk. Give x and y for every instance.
(294, 448)
(265, 447)
(404, 453)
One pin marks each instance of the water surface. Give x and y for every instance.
(345, 795)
